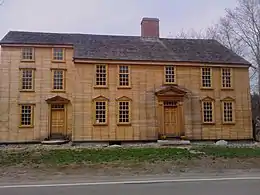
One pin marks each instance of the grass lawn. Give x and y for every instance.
(59, 157)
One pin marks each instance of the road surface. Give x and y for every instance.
(180, 186)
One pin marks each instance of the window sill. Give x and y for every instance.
(175, 83)
(27, 126)
(227, 88)
(124, 124)
(100, 124)
(27, 91)
(208, 123)
(58, 61)
(124, 87)
(228, 123)
(58, 91)
(100, 87)
(206, 88)
(27, 60)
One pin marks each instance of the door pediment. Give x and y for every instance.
(57, 100)
(171, 90)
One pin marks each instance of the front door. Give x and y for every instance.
(58, 120)
(171, 125)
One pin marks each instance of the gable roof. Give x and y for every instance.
(137, 48)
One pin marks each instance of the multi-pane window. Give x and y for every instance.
(101, 75)
(123, 112)
(27, 53)
(58, 54)
(206, 77)
(26, 115)
(226, 77)
(124, 80)
(169, 74)
(58, 79)
(228, 112)
(208, 115)
(27, 79)
(100, 112)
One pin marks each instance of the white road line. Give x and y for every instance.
(127, 182)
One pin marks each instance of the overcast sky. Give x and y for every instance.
(109, 16)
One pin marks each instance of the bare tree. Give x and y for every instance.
(238, 30)
(2, 2)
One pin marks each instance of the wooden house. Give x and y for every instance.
(121, 88)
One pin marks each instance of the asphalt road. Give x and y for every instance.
(206, 186)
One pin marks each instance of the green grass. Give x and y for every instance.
(59, 157)
(230, 152)
(90, 156)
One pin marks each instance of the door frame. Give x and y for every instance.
(61, 101)
(175, 94)
(65, 118)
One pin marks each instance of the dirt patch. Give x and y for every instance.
(203, 165)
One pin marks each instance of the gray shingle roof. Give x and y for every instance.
(89, 46)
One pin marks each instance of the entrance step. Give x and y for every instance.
(173, 142)
(55, 142)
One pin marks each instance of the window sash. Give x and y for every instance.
(124, 76)
(226, 77)
(27, 79)
(169, 74)
(58, 81)
(228, 112)
(208, 111)
(100, 112)
(206, 77)
(124, 112)
(27, 53)
(58, 54)
(101, 75)
(26, 115)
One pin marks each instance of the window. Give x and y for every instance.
(27, 79)
(101, 75)
(58, 54)
(26, 116)
(206, 77)
(58, 80)
(124, 76)
(100, 112)
(123, 112)
(169, 74)
(27, 54)
(228, 111)
(208, 111)
(226, 77)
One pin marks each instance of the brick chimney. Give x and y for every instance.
(150, 27)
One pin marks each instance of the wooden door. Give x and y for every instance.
(58, 120)
(171, 125)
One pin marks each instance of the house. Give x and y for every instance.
(121, 88)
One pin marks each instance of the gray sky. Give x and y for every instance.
(109, 16)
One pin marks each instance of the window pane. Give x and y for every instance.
(169, 74)
(123, 112)
(26, 115)
(100, 112)
(228, 112)
(27, 53)
(58, 54)
(226, 77)
(101, 74)
(27, 79)
(206, 77)
(208, 112)
(124, 75)
(58, 79)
